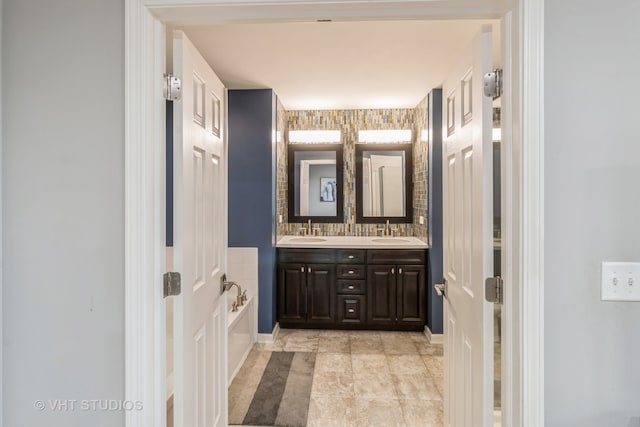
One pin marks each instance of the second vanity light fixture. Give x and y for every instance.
(385, 136)
(314, 136)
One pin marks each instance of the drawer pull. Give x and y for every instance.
(399, 271)
(351, 271)
(350, 257)
(309, 269)
(351, 310)
(393, 271)
(351, 287)
(302, 269)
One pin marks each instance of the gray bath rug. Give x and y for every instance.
(282, 395)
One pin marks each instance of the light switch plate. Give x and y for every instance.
(280, 219)
(620, 281)
(421, 220)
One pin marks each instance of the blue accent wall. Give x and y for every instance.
(434, 268)
(252, 204)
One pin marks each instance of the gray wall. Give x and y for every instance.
(63, 217)
(592, 210)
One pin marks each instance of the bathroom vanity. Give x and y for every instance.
(352, 283)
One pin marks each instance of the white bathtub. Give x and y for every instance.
(242, 335)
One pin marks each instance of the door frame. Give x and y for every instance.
(523, 185)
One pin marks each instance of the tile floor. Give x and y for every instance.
(366, 378)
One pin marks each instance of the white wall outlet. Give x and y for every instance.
(620, 281)
(280, 219)
(421, 220)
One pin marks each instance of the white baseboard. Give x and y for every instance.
(433, 338)
(269, 338)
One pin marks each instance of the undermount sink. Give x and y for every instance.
(390, 240)
(308, 239)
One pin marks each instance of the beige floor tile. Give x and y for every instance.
(330, 333)
(301, 343)
(427, 349)
(335, 344)
(307, 333)
(274, 346)
(422, 413)
(357, 333)
(402, 346)
(333, 362)
(418, 337)
(374, 384)
(327, 411)
(369, 362)
(406, 364)
(416, 386)
(332, 384)
(435, 365)
(366, 344)
(379, 413)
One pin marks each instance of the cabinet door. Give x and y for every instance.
(410, 283)
(381, 294)
(321, 293)
(292, 293)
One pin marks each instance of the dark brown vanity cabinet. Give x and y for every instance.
(352, 288)
(396, 282)
(306, 290)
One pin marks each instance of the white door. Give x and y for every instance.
(200, 313)
(467, 239)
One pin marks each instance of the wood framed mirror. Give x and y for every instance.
(315, 175)
(384, 183)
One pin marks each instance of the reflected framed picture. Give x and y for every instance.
(328, 189)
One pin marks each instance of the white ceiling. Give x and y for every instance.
(338, 65)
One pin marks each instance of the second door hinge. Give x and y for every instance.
(492, 83)
(494, 289)
(172, 88)
(172, 284)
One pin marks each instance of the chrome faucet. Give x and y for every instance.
(387, 230)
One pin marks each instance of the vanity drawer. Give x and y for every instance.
(351, 256)
(351, 309)
(351, 286)
(396, 256)
(318, 256)
(350, 271)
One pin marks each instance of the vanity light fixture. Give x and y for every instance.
(314, 136)
(384, 136)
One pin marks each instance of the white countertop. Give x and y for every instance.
(351, 242)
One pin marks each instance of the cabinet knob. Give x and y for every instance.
(351, 310)
(399, 271)
(309, 269)
(393, 271)
(302, 269)
(350, 257)
(350, 287)
(351, 272)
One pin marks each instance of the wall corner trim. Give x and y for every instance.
(269, 338)
(433, 338)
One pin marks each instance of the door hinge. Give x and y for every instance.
(441, 288)
(172, 284)
(493, 84)
(494, 289)
(172, 87)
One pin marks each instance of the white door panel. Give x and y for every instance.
(200, 396)
(467, 240)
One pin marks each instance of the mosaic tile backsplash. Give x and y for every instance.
(349, 122)
(421, 168)
(281, 169)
